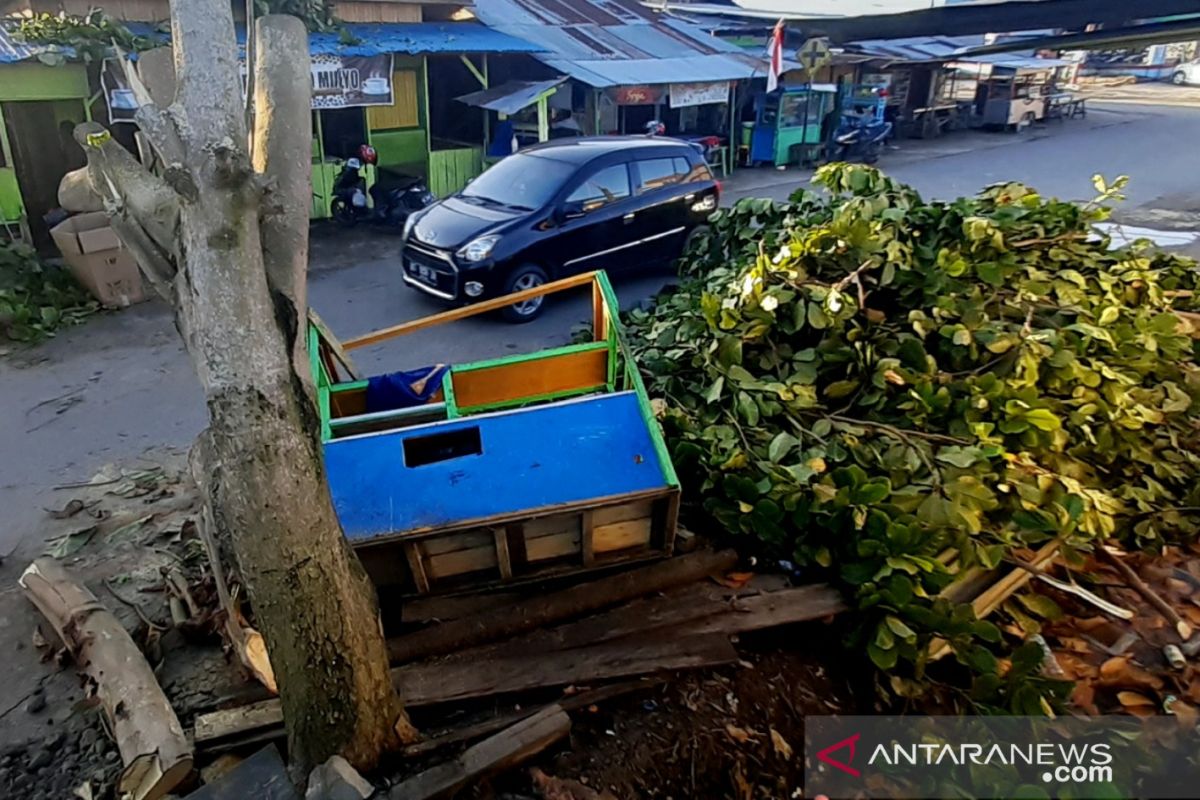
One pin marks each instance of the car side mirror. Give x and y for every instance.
(569, 211)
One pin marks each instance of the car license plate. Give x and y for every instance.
(423, 273)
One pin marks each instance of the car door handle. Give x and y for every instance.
(628, 217)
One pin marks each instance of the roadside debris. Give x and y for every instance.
(151, 741)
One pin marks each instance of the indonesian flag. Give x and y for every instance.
(775, 56)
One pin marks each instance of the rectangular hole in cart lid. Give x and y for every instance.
(422, 450)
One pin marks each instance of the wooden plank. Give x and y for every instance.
(500, 541)
(460, 562)
(463, 312)
(623, 535)
(262, 776)
(557, 545)
(502, 751)
(422, 610)
(428, 684)
(587, 543)
(462, 540)
(553, 526)
(501, 622)
(572, 702)
(417, 567)
(599, 318)
(622, 513)
(335, 347)
(687, 611)
(219, 724)
(567, 372)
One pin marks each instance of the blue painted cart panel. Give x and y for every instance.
(530, 458)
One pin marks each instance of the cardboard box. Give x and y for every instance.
(97, 259)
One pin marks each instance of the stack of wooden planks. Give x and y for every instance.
(668, 616)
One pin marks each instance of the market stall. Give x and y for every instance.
(788, 123)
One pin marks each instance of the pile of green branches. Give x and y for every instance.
(865, 380)
(36, 299)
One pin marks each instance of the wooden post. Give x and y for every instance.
(543, 112)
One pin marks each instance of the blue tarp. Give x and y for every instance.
(12, 51)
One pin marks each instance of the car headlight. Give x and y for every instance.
(478, 249)
(409, 224)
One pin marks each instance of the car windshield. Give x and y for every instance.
(520, 181)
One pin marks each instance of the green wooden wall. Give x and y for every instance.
(31, 81)
(449, 170)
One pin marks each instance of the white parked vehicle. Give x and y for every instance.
(1186, 74)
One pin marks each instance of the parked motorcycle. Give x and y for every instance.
(393, 197)
(860, 139)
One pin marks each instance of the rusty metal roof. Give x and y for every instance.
(617, 42)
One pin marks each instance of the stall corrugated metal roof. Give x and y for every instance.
(915, 49)
(411, 38)
(12, 51)
(617, 42)
(418, 38)
(511, 96)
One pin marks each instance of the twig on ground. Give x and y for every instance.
(136, 608)
(1182, 628)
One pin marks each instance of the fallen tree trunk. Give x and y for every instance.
(153, 747)
(506, 621)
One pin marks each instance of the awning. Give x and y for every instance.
(417, 38)
(511, 96)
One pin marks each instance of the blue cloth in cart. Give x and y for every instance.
(395, 390)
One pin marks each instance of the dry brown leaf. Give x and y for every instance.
(734, 580)
(741, 735)
(1187, 714)
(1074, 644)
(782, 748)
(1084, 697)
(745, 790)
(1120, 671)
(1133, 699)
(551, 788)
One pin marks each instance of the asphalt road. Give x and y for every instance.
(122, 384)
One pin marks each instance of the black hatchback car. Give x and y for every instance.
(557, 209)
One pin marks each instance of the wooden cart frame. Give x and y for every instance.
(525, 543)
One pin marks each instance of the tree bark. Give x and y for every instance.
(235, 263)
(153, 747)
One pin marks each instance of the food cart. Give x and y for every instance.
(511, 469)
(1012, 91)
(787, 123)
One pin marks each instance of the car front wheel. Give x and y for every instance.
(1179, 78)
(528, 276)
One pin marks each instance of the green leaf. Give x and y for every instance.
(780, 446)
(871, 493)
(1042, 419)
(884, 659)
(1041, 605)
(816, 317)
(897, 626)
(714, 391)
(839, 389)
